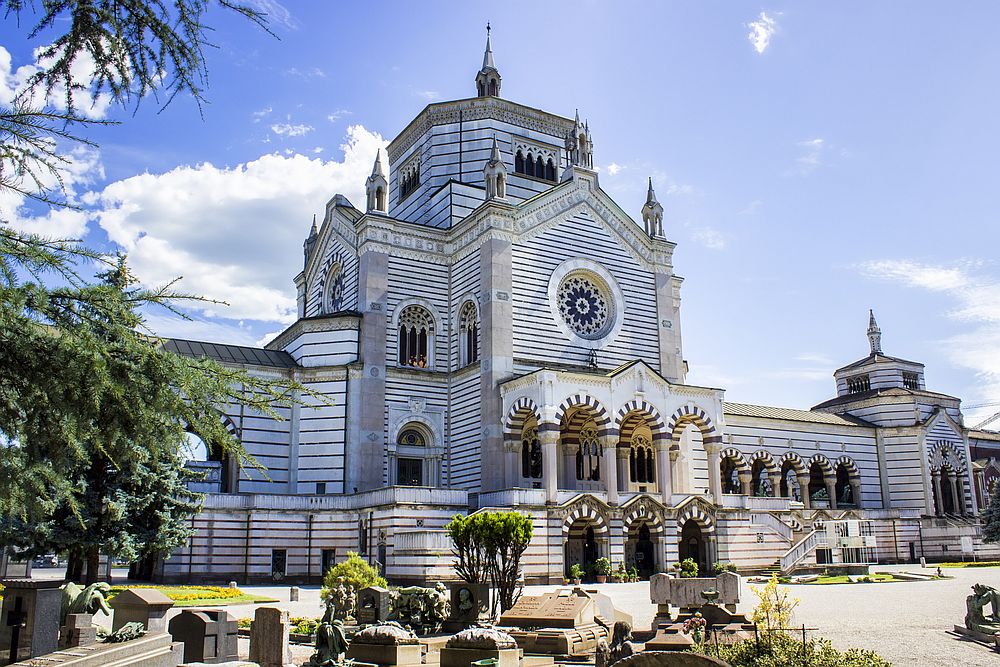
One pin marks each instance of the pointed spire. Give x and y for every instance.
(488, 56)
(313, 231)
(495, 152)
(874, 334)
(650, 195)
(377, 169)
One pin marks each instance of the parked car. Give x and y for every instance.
(48, 560)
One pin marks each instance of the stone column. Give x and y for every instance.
(856, 491)
(953, 485)
(549, 441)
(714, 474)
(623, 468)
(663, 472)
(831, 491)
(746, 482)
(609, 467)
(775, 479)
(938, 498)
(803, 480)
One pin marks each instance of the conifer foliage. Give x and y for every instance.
(991, 517)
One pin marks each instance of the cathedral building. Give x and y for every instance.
(493, 331)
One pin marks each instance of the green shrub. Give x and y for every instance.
(575, 571)
(355, 571)
(781, 650)
(602, 566)
(688, 568)
(719, 567)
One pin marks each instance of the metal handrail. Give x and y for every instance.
(799, 550)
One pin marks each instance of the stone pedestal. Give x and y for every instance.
(373, 605)
(208, 635)
(666, 590)
(480, 644)
(561, 623)
(141, 605)
(29, 619)
(385, 645)
(269, 638)
(79, 630)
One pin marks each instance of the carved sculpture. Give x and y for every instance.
(388, 633)
(482, 638)
(342, 599)
(423, 609)
(89, 600)
(975, 617)
(127, 632)
(620, 647)
(331, 643)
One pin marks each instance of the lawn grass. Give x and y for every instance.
(244, 598)
(981, 563)
(201, 596)
(845, 579)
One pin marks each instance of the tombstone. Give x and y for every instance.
(666, 590)
(208, 635)
(385, 644)
(672, 659)
(470, 604)
(269, 638)
(373, 605)
(29, 619)
(141, 605)
(293, 594)
(565, 622)
(480, 644)
(78, 630)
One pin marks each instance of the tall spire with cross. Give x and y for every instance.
(874, 334)
(488, 78)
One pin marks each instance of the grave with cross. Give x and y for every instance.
(30, 618)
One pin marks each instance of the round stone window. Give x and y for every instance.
(585, 305)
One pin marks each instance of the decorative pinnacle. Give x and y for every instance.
(874, 333)
(313, 231)
(495, 152)
(488, 56)
(377, 169)
(650, 195)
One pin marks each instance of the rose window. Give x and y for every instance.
(584, 305)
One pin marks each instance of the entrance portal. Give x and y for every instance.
(640, 549)
(581, 546)
(694, 546)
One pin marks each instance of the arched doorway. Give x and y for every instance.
(760, 481)
(844, 488)
(640, 549)
(818, 495)
(582, 546)
(730, 476)
(947, 480)
(693, 545)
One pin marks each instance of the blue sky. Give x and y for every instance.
(814, 160)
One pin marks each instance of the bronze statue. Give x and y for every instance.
(331, 643)
(975, 618)
(89, 600)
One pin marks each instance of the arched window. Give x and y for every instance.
(493, 87)
(540, 167)
(409, 181)
(519, 162)
(531, 451)
(529, 165)
(588, 453)
(641, 461)
(416, 337)
(411, 437)
(550, 170)
(468, 328)
(501, 186)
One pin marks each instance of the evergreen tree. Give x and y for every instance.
(991, 517)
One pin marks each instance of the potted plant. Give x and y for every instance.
(602, 568)
(621, 574)
(576, 573)
(633, 574)
(688, 568)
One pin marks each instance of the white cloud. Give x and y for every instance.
(262, 114)
(289, 130)
(275, 13)
(977, 303)
(429, 95)
(234, 233)
(334, 116)
(614, 168)
(812, 155)
(761, 32)
(710, 238)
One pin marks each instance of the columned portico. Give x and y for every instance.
(609, 468)
(549, 440)
(714, 473)
(663, 463)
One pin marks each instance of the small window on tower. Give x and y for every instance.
(858, 384)
(910, 380)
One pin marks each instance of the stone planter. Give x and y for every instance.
(602, 578)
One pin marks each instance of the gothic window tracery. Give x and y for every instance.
(530, 160)
(531, 453)
(584, 305)
(409, 179)
(416, 337)
(468, 334)
(641, 461)
(588, 454)
(411, 437)
(334, 300)
(858, 384)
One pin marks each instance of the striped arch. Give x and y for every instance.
(601, 415)
(943, 453)
(587, 513)
(852, 467)
(518, 414)
(692, 414)
(227, 422)
(766, 458)
(575, 412)
(824, 463)
(639, 512)
(695, 512)
(736, 456)
(633, 409)
(795, 461)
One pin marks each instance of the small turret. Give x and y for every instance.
(652, 214)
(488, 78)
(495, 174)
(579, 145)
(310, 241)
(874, 334)
(376, 187)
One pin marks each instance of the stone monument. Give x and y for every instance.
(373, 605)
(666, 590)
(269, 638)
(979, 625)
(385, 644)
(480, 644)
(30, 618)
(141, 605)
(423, 609)
(208, 635)
(565, 622)
(661, 659)
(470, 605)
